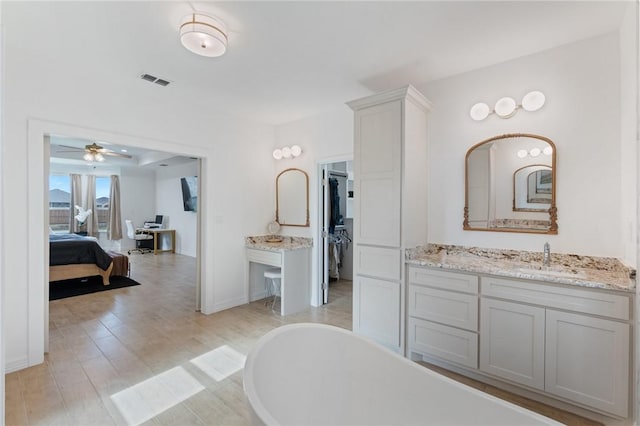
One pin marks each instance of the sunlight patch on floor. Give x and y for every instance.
(220, 363)
(147, 399)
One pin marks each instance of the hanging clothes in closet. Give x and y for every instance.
(335, 217)
(338, 244)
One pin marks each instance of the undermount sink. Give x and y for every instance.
(552, 273)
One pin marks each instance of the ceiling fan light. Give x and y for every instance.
(203, 35)
(99, 157)
(87, 156)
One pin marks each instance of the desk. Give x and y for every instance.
(294, 262)
(156, 234)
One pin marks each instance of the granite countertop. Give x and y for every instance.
(267, 242)
(585, 271)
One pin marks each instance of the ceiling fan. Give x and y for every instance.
(94, 152)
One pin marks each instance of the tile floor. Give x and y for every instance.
(142, 355)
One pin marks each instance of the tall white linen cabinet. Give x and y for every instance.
(390, 210)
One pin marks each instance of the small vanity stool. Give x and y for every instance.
(272, 279)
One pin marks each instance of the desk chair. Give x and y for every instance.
(139, 238)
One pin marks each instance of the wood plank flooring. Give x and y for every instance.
(119, 345)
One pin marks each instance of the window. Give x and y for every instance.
(59, 202)
(103, 191)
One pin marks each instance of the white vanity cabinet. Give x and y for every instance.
(443, 316)
(561, 341)
(579, 355)
(512, 344)
(390, 192)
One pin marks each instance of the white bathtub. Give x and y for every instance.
(313, 374)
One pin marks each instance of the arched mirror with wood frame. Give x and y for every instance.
(510, 185)
(292, 198)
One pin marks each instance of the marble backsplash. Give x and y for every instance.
(588, 271)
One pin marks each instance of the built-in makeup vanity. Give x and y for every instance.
(562, 332)
(292, 255)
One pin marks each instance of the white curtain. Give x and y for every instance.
(92, 220)
(76, 199)
(115, 220)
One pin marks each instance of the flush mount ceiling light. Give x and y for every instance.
(203, 35)
(507, 107)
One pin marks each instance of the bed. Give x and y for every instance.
(75, 256)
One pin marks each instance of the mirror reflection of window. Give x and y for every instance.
(532, 188)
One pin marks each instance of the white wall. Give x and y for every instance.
(41, 80)
(324, 137)
(629, 123)
(582, 116)
(2, 240)
(169, 204)
(137, 200)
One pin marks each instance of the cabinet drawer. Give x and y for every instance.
(578, 300)
(445, 280)
(448, 343)
(378, 262)
(446, 307)
(265, 257)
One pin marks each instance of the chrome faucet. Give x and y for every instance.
(546, 260)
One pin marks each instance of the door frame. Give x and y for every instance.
(38, 220)
(316, 288)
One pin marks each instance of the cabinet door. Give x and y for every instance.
(377, 152)
(512, 341)
(587, 361)
(376, 310)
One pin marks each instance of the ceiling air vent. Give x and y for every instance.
(153, 79)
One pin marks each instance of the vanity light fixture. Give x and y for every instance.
(203, 35)
(534, 152)
(507, 107)
(287, 152)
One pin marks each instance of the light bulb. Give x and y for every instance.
(534, 152)
(522, 153)
(547, 151)
(296, 150)
(277, 154)
(533, 101)
(479, 111)
(88, 156)
(286, 152)
(505, 107)
(99, 157)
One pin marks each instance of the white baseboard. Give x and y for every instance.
(15, 365)
(227, 304)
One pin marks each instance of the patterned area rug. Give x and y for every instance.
(79, 286)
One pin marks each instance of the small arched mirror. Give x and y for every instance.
(292, 198)
(510, 185)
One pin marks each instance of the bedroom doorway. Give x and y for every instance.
(179, 160)
(335, 222)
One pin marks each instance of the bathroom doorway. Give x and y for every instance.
(336, 227)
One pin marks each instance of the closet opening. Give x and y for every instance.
(336, 217)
